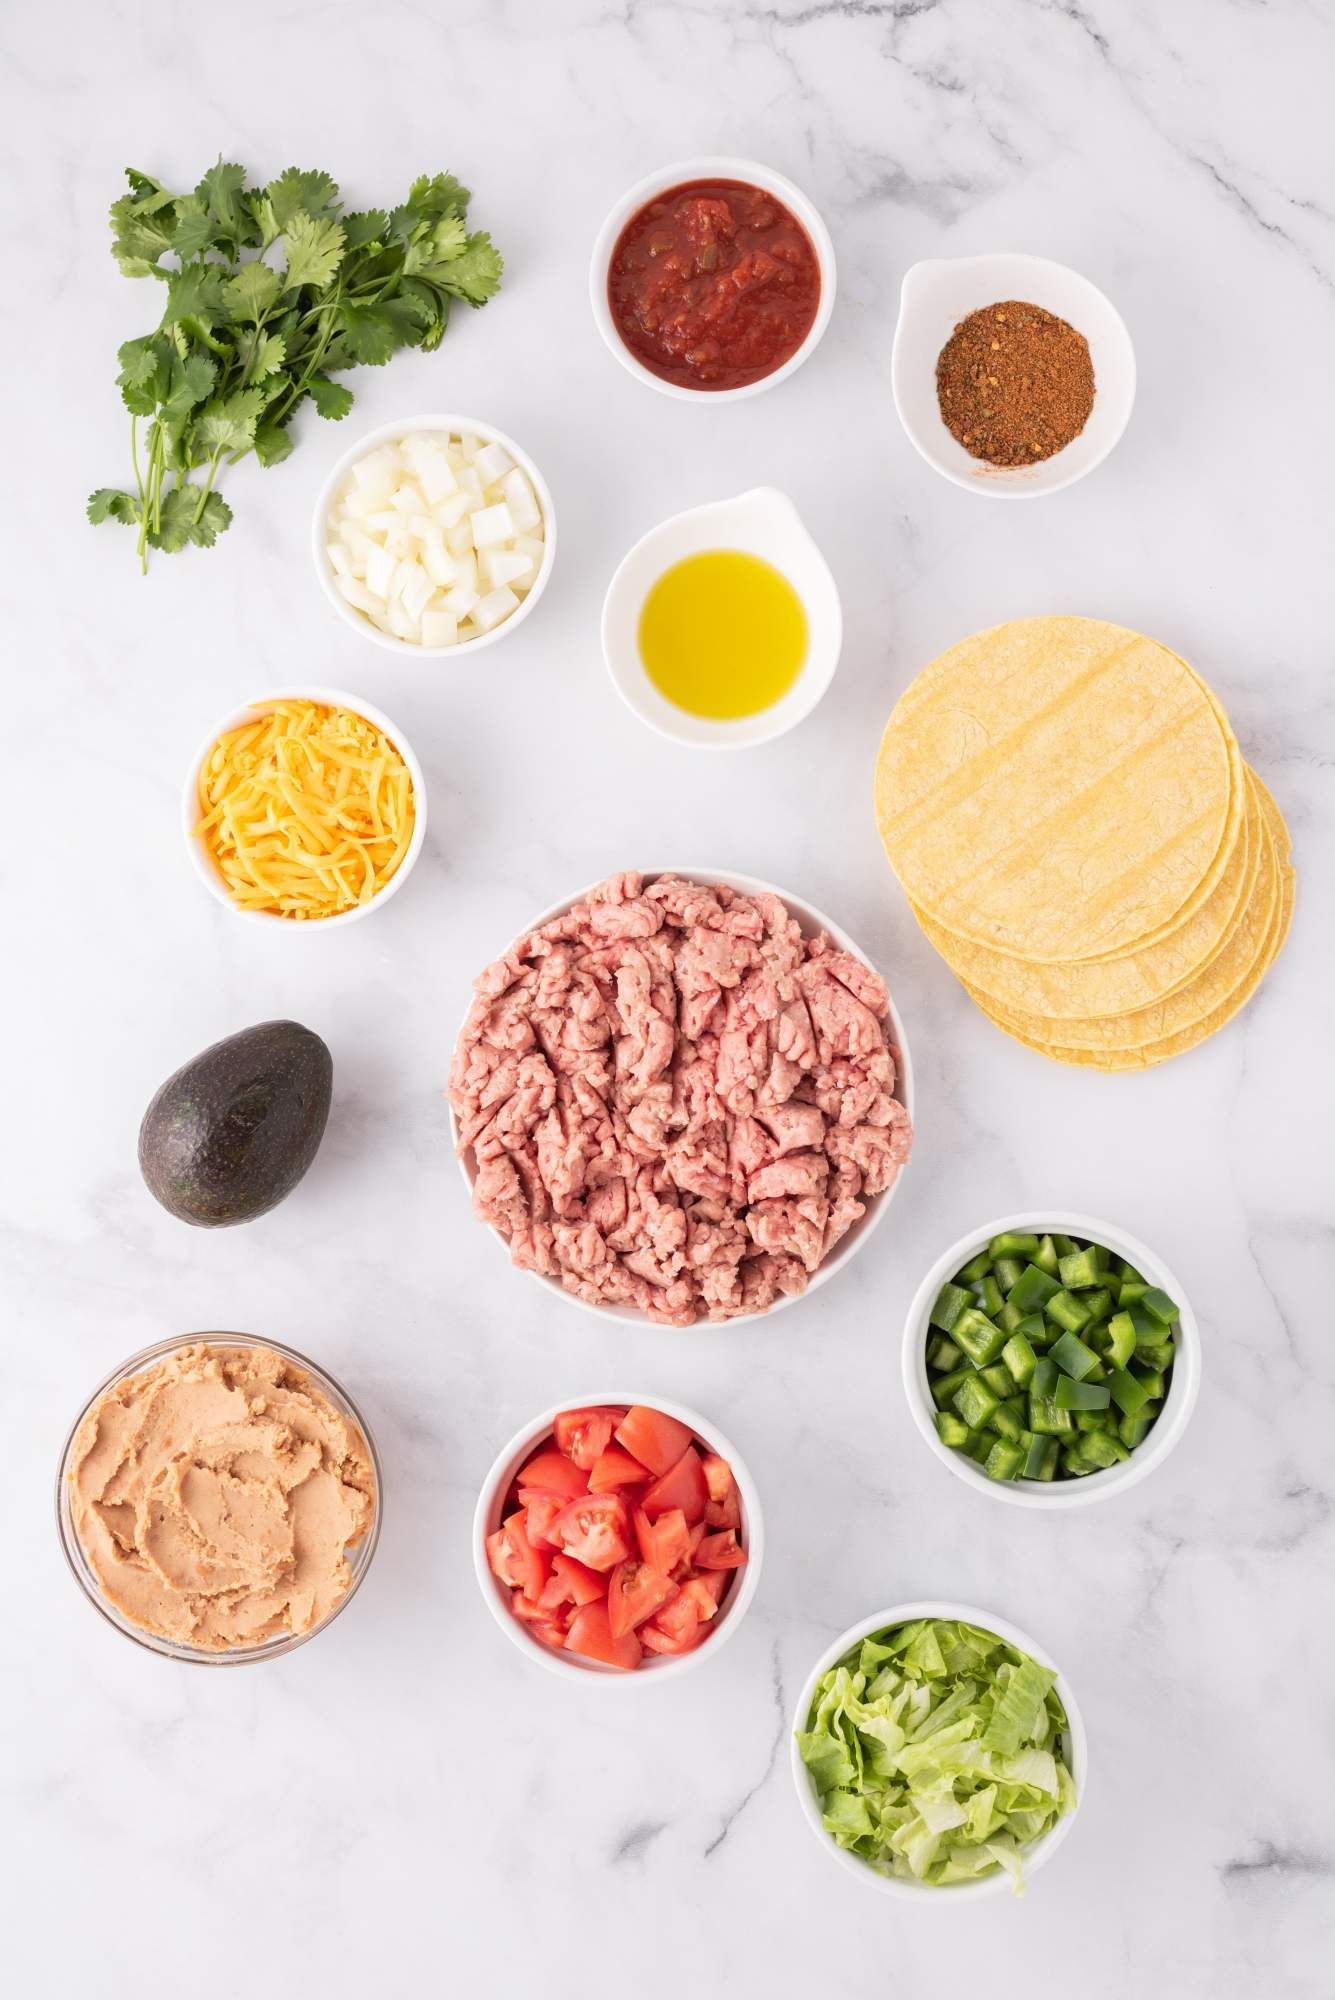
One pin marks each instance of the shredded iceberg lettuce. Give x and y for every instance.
(939, 1752)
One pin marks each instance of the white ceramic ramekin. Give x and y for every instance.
(657, 1666)
(1182, 1390)
(764, 523)
(200, 859)
(719, 168)
(812, 921)
(936, 295)
(390, 433)
(1076, 1746)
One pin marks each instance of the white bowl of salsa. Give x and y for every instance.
(657, 269)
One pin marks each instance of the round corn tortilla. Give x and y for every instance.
(1059, 789)
(1190, 1036)
(1061, 993)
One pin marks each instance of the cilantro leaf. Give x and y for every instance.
(272, 444)
(297, 193)
(188, 384)
(196, 290)
(331, 399)
(368, 226)
(439, 245)
(147, 193)
(194, 228)
(178, 528)
(438, 194)
(252, 291)
(220, 190)
(107, 504)
(143, 377)
(228, 423)
(138, 238)
(475, 275)
(314, 252)
(369, 334)
(268, 358)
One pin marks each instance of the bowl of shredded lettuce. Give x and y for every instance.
(936, 1749)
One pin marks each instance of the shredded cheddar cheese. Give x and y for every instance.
(306, 811)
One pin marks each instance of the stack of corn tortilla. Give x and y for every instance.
(1066, 806)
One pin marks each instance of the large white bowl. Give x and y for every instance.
(200, 859)
(1178, 1405)
(389, 433)
(764, 523)
(812, 920)
(936, 295)
(1077, 1756)
(715, 167)
(657, 1666)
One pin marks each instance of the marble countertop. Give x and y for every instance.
(408, 1804)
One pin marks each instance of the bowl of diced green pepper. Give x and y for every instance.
(1051, 1359)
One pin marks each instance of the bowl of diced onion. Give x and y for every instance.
(434, 535)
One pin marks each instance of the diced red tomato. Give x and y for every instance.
(595, 1530)
(616, 1468)
(549, 1632)
(720, 1552)
(664, 1543)
(682, 1485)
(583, 1434)
(718, 1475)
(658, 1441)
(591, 1634)
(635, 1591)
(576, 1584)
(552, 1472)
(515, 1560)
(694, 1539)
(540, 1510)
(705, 1592)
(676, 1628)
(725, 1513)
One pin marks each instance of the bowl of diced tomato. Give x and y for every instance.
(618, 1534)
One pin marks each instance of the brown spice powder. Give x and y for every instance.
(1014, 383)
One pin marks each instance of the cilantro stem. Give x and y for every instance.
(207, 487)
(143, 501)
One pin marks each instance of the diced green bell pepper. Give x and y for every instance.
(1131, 1291)
(945, 1386)
(1083, 1268)
(1012, 1243)
(951, 1430)
(1046, 1256)
(1007, 1271)
(1004, 1460)
(1158, 1354)
(1151, 1381)
(1067, 1311)
(1066, 1246)
(981, 1340)
(1020, 1358)
(990, 1295)
(943, 1354)
(998, 1379)
(1160, 1305)
(1122, 1339)
(1009, 1318)
(977, 1267)
(1032, 1289)
(1046, 1419)
(1070, 1394)
(1073, 1357)
(1097, 1304)
(975, 1402)
(1128, 1394)
(1045, 1376)
(1006, 1422)
(1133, 1431)
(950, 1303)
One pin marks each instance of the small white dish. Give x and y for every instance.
(200, 859)
(765, 523)
(391, 433)
(1077, 1756)
(710, 167)
(1178, 1405)
(573, 1666)
(941, 291)
(812, 921)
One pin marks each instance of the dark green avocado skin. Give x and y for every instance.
(231, 1134)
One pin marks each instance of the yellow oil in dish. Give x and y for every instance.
(723, 634)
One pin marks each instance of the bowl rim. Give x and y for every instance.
(359, 1555)
(1178, 1404)
(1039, 1851)
(327, 698)
(486, 1518)
(820, 682)
(715, 166)
(383, 434)
(905, 1091)
(1000, 484)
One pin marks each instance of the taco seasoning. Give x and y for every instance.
(1014, 384)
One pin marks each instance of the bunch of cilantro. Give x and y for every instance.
(271, 293)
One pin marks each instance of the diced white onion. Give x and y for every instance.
(436, 538)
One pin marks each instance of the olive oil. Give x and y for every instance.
(723, 634)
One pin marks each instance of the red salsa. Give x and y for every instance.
(713, 285)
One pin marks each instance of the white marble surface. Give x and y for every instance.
(407, 1806)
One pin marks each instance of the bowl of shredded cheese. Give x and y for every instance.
(306, 807)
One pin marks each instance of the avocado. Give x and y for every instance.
(234, 1130)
